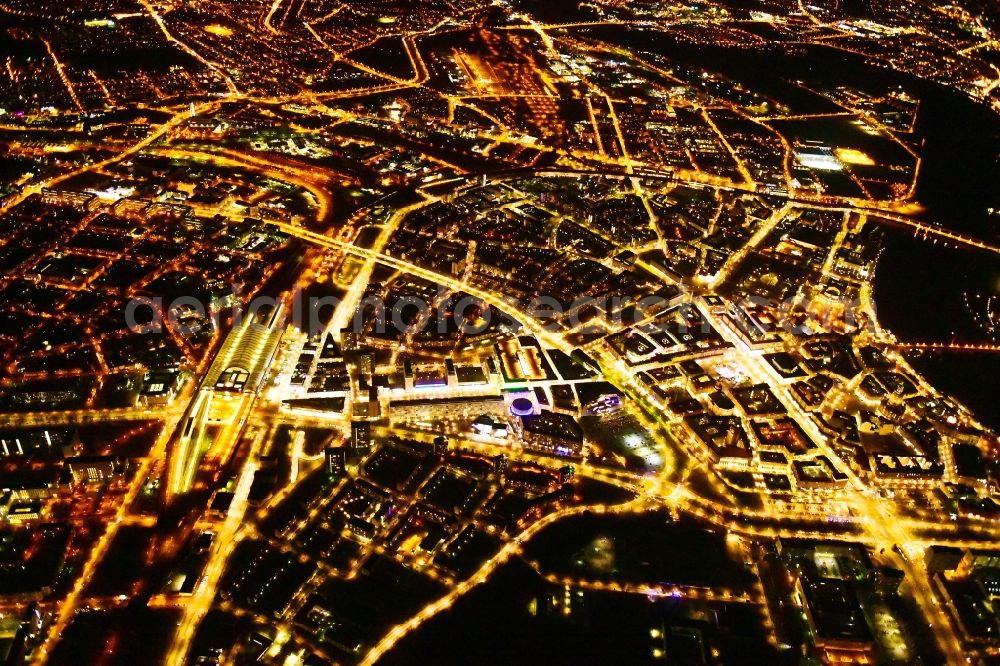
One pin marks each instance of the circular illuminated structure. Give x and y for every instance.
(522, 407)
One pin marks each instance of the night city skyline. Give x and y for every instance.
(406, 332)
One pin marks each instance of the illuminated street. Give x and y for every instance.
(395, 332)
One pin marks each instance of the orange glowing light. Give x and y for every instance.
(218, 30)
(854, 156)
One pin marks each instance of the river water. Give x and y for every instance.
(920, 287)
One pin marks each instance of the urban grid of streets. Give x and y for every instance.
(214, 437)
